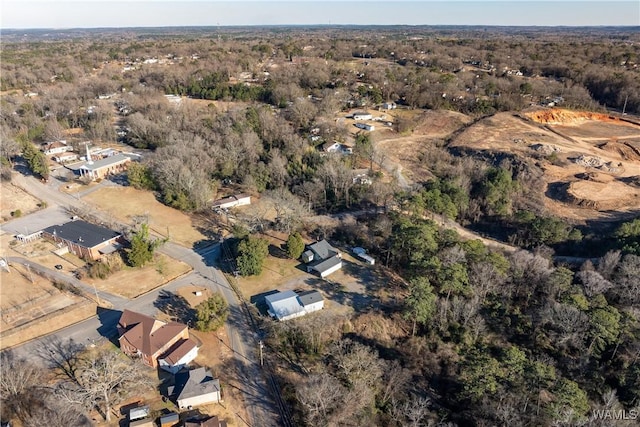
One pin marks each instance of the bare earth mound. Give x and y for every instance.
(603, 152)
(402, 152)
(600, 195)
(440, 124)
(558, 116)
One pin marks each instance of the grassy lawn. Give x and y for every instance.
(124, 203)
(278, 273)
(131, 282)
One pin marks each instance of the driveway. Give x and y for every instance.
(53, 215)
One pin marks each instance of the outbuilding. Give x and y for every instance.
(362, 115)
(284, 305)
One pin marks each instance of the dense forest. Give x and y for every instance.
(463, 335)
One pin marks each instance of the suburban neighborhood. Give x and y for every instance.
(328, 225)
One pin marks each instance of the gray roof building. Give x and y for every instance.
(310, 297)
(284, 305)
(322, 258)
(105, 162)
(78, 231)
(196, 387)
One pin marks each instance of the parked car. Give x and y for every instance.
(58, 267)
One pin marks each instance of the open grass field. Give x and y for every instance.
(31, 306)
(131, 282)
(80, 310)
(12, 199)
(279, 272)
(124, 203)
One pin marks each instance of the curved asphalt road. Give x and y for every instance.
(258, 400)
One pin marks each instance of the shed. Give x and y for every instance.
(139, 413)
(307, 256)
(169, 420)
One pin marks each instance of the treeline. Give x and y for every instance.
(460, 70)
(473, 337)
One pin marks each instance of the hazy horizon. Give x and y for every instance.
(86, 14)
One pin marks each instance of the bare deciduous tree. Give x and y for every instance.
(608, 264)
(104, 380)
(320, 396)
(18, 380)
(290, 210)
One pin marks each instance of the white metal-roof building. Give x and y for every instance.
(284, 305)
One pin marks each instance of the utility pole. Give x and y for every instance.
(96, 292)
(624, 108)
(29, 270)
(261, 355)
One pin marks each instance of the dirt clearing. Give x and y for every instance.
(568, 146)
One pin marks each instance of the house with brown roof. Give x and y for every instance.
(209, 422)
(56, 147)
(151, 339)
(178, 356)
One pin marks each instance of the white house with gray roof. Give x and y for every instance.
(289, 304)
(322, 258)
(196, 387)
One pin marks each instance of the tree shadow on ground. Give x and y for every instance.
(259, 301)
(277, 252)
(108, 324)
(385, 352)
(337, 292)
(175, 306)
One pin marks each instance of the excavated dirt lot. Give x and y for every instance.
(401, 151)
(591, 161)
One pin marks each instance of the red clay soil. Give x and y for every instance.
(559, 116)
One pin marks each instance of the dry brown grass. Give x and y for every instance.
(13, 198)
(81, 310)
(17, 287)
(279, 272)
(131, 282)
(126, 203)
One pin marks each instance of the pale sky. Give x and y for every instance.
(161, 13)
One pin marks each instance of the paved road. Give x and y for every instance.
(242, 340)
(58, 276)
(260, 406)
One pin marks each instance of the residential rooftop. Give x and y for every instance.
(81, 232)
